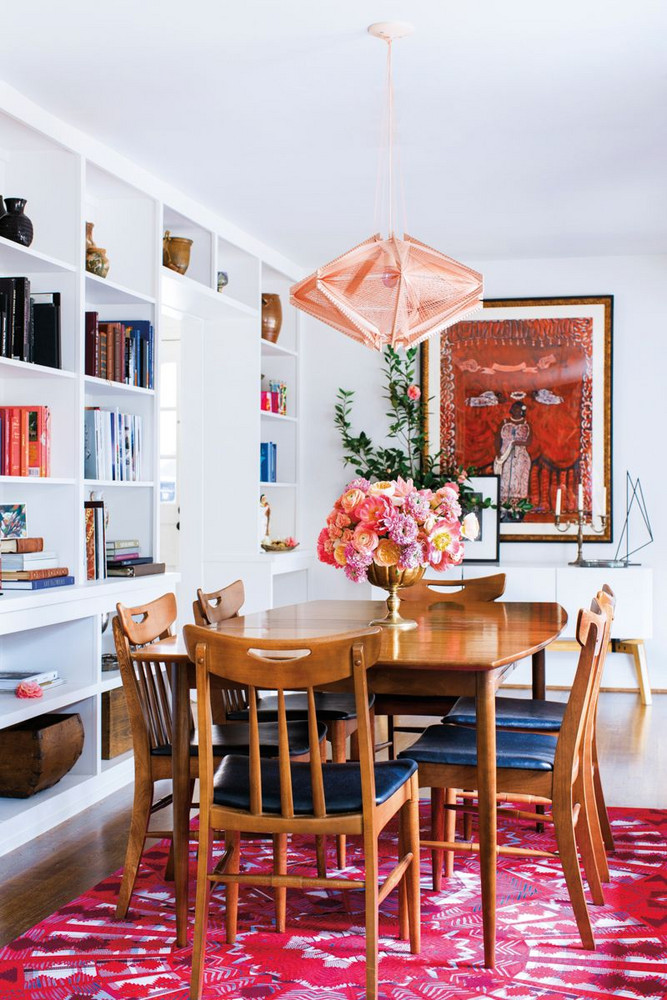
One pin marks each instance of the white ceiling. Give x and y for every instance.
(526, 128)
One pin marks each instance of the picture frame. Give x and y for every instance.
(523, 389)
(13, 520)
(486, 547)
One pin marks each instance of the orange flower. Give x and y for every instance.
(387, 553)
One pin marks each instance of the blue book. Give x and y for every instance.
(52, 581)
(264, 461)
(273, 455)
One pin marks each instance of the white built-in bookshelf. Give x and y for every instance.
(69, 179)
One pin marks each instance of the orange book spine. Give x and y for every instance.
(90, 543)
(14, 441)
(35, 574)
(24, 424)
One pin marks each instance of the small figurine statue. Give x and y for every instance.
(265, 515)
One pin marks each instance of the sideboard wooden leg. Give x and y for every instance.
(637, 650)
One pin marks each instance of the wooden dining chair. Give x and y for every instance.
(536, 767)
(432, 594)
(149, 702)
(534, 715)
(280, 798)
(337, 711)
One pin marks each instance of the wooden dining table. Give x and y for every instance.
(454, 650)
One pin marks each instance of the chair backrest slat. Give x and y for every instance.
(219, 605)
(255, 773)
(284, 763)
(472, 591)
(316, 780)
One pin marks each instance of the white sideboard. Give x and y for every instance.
(573, 587)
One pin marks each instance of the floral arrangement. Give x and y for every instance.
(392, 523)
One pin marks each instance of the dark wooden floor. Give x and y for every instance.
(53, 869)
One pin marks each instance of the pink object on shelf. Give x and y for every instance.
(29, 689)
(265, 400)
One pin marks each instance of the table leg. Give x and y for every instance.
(181, 790)
(486, 791)
(539, 675)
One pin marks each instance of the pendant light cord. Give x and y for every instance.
(390, 120)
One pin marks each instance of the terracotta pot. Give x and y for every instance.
(272, 316)
(176, 252)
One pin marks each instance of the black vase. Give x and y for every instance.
(14, 225)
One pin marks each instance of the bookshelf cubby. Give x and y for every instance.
(69, 179)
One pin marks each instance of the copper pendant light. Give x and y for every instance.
(389, 291)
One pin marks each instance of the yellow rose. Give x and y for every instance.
(385, 489)
(387, 553)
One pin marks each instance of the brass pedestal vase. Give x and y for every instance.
(393, 579)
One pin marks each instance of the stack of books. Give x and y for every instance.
(124, 559)
(26, 565)
(25, 441)
(10, 679)
(29, 323)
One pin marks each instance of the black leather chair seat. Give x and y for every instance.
(331, 707)
(512, 713)
(342, 785)
(457, 745)
(233, 737)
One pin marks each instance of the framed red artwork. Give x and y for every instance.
(523, 390)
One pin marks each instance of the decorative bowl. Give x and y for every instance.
(280, 545)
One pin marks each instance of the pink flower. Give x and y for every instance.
(414, 392)
(443, 544)
(373, 510)
(325, 548)
(365, 540)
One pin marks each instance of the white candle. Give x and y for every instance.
(580, 497)
(559, 493)
(604, 500)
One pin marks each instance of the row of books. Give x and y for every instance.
(268, 456)
(10, 679)
(124, 559)
(120, 351)
(25, 441)
(274, 399)
(29, 323)
(112, 445)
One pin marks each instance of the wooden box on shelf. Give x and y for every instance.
(116, 732)
(37, 753)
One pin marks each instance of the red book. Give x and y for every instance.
(24, 422)
(14, 441)
(4, 412)
(119, 341)
(45, 441)
(34, 457)
(90, 542)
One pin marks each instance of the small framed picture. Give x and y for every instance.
(486, 547)
(13, 522)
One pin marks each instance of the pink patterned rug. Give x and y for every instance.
(83, 952)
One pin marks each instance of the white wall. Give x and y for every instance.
(639, 391)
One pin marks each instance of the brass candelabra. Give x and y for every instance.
(564, 526)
